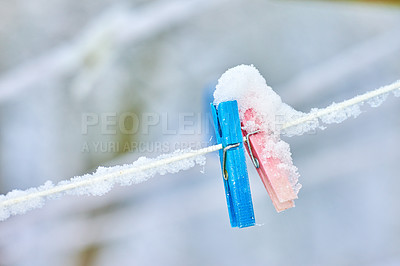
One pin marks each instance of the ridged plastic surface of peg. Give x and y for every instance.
(237, 187)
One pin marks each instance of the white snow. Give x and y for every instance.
(340, 115)
(246, 85)
(378, 100)
(96, 184)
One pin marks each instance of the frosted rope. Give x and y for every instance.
(107, 176)
(343, 105)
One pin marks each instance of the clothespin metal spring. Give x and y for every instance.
(224, 158)
(254, 159)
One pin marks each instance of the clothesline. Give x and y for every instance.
(97, 179)
(100, 182)
(340, 106)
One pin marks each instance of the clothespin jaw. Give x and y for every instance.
(274, 177)
(233, 164)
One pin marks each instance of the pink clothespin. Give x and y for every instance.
(275, 178)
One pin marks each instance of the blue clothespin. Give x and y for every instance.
(233, 164)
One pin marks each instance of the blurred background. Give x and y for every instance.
(63, 62)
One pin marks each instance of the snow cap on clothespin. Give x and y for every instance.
(271, 169)
(259, 108)
(234, 171)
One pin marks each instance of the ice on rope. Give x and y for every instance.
(338, 116)
(246, 85)
(96, 184)
(378, 100)
(338, 112)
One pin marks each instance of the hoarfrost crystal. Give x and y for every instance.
(96, 184)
